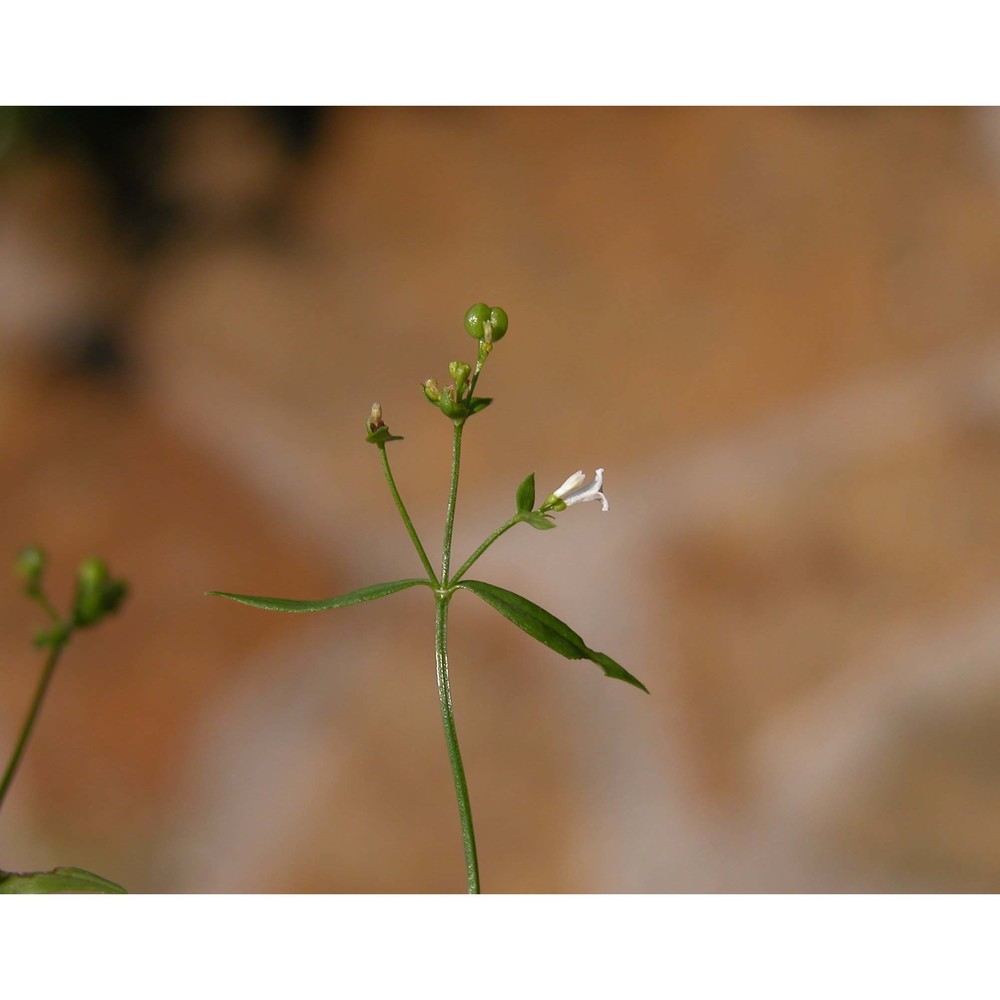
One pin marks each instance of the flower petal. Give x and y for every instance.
(571, 484)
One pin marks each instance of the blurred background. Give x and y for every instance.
(779, 332)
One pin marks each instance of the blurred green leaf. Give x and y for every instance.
(525, 498)
(547, 629)
(74, 880)
(344, 600)
(478, 403)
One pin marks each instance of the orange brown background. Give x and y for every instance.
(779, 332)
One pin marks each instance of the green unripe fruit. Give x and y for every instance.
(482, 319)
(498, 320)
(475, 318)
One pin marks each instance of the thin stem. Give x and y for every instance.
(467, 565)
(29, 722)
(42, 600)
(449, 524)
(451, 738)
(484, 353)
(401, 507)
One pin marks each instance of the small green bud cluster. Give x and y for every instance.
(455, 401)
(487, 324)
(97, 594)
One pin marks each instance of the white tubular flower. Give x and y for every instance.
(573, 491)
(571, 484)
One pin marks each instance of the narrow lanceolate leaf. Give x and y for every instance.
(58, 880)
(548, 629)
(344, 600)
(525, 498)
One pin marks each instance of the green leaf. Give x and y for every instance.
(382, 435)
(354, 597)
(548, 629)
(525, 497)
(540, 521)
(74, 880)
(478, 403)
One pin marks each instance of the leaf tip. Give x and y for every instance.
(623, 675)
(614, 669)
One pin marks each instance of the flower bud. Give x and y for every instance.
(375, 421)
(30, 566)
(432, 390)
(449, 404)
(96, 593)
(91, 578)
(460, 372)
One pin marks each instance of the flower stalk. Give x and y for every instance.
(449, 523)
(405, 516)
(29, 722)
(502, 530)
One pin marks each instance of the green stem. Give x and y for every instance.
(449, 524)
(39, 596)
(474, 379)
(29, 722)
(401, 507)
(484, 352)
(467, 565)
(451, 738)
